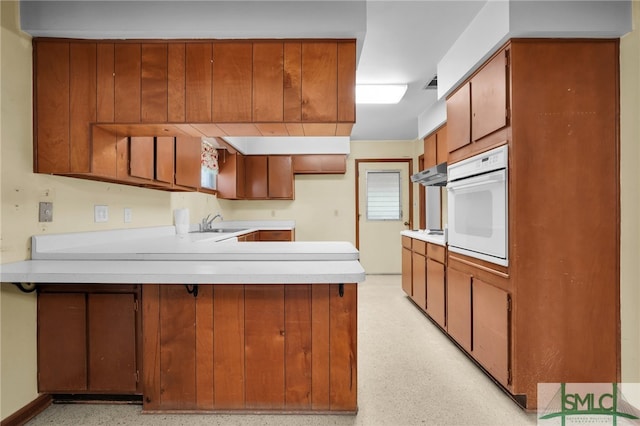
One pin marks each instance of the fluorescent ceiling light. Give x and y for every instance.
(379, 93)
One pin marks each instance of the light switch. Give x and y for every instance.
(127, 215)
(100, 213)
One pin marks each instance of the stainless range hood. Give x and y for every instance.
(433, 176)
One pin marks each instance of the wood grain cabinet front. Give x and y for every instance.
(88, 339)
(264, 347)
(268, 177)
(192, 88)
(478, 109)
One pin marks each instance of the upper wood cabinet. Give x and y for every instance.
(232, 81)
(268, 82)
(280, 177)
(319, 81)
(435, 147)
(268, 177)
(154, 83)
(127, 67)
(231, 176)
(319, 164)
(198, 82)
(182, 89)
(479, 108)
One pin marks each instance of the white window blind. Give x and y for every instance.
(383, 195)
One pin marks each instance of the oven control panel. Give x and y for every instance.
(494, 159)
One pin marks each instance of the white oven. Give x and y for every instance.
(477, 206)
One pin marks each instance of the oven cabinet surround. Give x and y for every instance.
(251, 348)
(91, 95)
(555, 103)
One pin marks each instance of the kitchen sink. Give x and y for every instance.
(225, 230)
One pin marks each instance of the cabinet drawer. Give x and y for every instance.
(435, 252)
(420, 247)
(406, 242)
(275, 236)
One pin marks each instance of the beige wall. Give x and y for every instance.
(324, 208)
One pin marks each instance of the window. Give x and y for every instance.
(383, 195)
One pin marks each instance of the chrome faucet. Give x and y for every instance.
(206, 222)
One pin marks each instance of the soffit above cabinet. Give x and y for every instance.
(196, 19)
(289, 145)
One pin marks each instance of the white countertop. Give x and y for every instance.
(182, 272)
(425, 236)
(158, 255)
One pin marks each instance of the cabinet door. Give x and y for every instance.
(442, 152)
(275, 235)
(268, 87)
(436, 288)
(52, 107)
(112, 342)
(430, 151)
(280, 177)
(82, 104)
(188, 157)
(165, 159)
(264, 346)
(459, 118)
(127, 83)
(489, 97)
(292, 82)
(62, 342)
(176, 82)
(319, 164)
(256, 185)
(198, 82)
(459, 307)
(232, 73)
(491, 329)
(154, 83)
(347, 81)
(319, 81)
(231, 179)
(419, 278)
(105, 82)
(141, 157)
(407, 274)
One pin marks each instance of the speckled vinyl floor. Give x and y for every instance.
(409, 373)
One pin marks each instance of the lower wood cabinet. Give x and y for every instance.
(419, 279)
(491, 307)
(88, 339)
(407, 274)
(257, 347)
(436, 290)
(275, 235)
(459, 307)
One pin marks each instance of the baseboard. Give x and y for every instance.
(28, 412)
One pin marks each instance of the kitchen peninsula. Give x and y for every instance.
(213, 326)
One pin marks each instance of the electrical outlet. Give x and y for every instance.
(127, 215)
(100, 213)
(45, 212)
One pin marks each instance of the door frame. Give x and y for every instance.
(408, 162)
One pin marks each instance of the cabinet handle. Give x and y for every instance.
(341, 290)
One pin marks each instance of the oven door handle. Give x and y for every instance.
(495, 177)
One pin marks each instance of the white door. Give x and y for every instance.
(383, 211)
